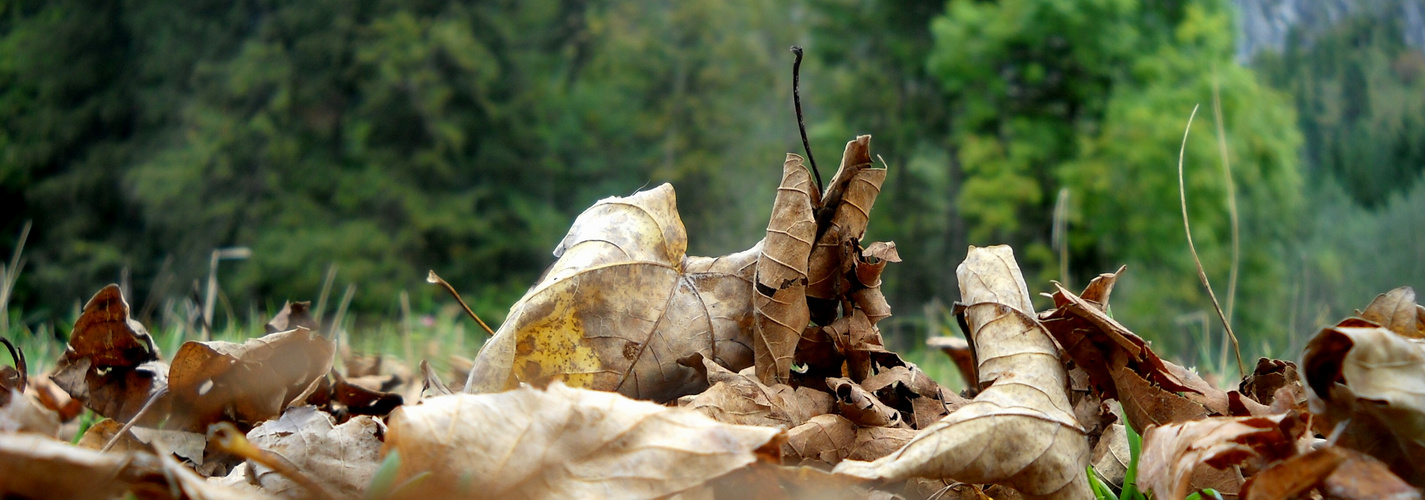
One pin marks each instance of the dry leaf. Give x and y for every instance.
(33, 466)
(841, 218)
(24, 413)
(828, 439)
(111, 363)
(1270, 376)
(1111, 457)
(622, 305)
(1397, 311)
(780, 306)
(959, 352)
(1172, 453)
(1362, 477)
(1122, 366)
(873, 443)
(563, 442)
(293, 315)
(866, 279)
(1373, 380)
(742, 399)
(340, 458)
(245, 383)
(862, 407)
(12, 378)
(54, 398)
(1019, 431)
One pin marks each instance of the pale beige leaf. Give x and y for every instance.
(1172, 453)
(742, 399)
(246, 383)
(563, 442)
(1020, 431)
(1397, 311)
(1111, 456)
(1373, 380)
(33, 466)
(340, 458)
(621, 305)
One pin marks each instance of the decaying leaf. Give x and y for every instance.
(1271, 376)
(1172, 453)
(1020, 430)
(862, 407)
(563, 442)
(622, 305)
(866, 279)
(1362, 477)
(841, 217)
(1371, 380)
(827, 439)
(742, 399)
(1397, 311)
(340, 458)
(1122, 366)
(292, 315)
(245, 383)
(33, 466)
(23, 413)
(1111, 457)
(780, 305)
(111, 363)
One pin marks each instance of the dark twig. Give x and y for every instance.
(19, 357)
(432, 278)
(801, 124)
(1202, 275)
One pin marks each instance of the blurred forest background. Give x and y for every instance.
(382, 138)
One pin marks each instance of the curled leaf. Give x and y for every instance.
(1172, 453)
(1020, 431)
(248, 382)
(1372, 381)
(780, 303)
(841, 217)
(111, 363)
(1397, 311)
(563, 442)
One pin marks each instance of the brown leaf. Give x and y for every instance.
(1268, 377)
(866, 285)
(54, 398)
(1362, 477)
(1295, 476)
(874, 443)
(742, 399)
(828, 439)
(340, 458)
(111, 363)
(24, 413)
(1122, 366)
(1172, 453)
(563, 442)
(1111, 457)
(33, 466)
(1397, 311)
(959, 352)
(245, 383)
(621, 305)
(861, 407)
(1372, 381)
(293, 315)
(841, 217)
(12, 377)
(1020, 431)
(763, 480)
(780, 306)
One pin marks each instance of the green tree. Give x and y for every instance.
(1093, 97)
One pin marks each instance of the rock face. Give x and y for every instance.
(1264, 24)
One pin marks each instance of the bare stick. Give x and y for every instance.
(228, 438)
(153, 398)
(1231, 197)
(1202, 275)
(801, 124)
(432, 278)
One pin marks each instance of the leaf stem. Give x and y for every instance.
(433, 278)
(801, 124)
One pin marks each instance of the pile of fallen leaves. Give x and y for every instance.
(634, 370)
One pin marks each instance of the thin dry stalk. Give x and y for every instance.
(435, 279)
(1231, 197)
(1060, 237)
(1202, 275)
(9, 275)
(336, 330)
